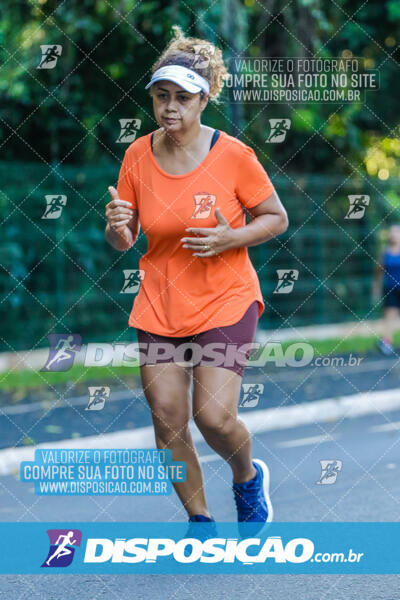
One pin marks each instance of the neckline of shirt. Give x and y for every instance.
(170, 175)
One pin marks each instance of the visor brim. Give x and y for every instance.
(189, 87)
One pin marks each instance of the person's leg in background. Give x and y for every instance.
(390, 317)
(391, 313)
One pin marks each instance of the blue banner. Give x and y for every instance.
(147, 548)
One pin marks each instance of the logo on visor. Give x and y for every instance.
(190, 75)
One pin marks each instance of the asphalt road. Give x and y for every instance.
(367, 489)
(58, 418)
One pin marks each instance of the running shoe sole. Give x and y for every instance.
(266, 479)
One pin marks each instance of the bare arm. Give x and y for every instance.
(377, 277)
(379, 268)
(269, 220)
(122, 227)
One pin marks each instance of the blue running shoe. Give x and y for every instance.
(252, 500)
(201, 528)
(201, 519)
(386, 348)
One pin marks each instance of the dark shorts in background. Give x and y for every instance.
(242, 332)
(391, 297)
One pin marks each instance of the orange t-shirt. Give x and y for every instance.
(181, 294)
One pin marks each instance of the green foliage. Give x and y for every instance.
(71, 113)
(60, 275)
(59, 132)
(393, 10)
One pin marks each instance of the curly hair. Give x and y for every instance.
(190, 52)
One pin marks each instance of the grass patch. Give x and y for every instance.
(10, 380)
(356, 345)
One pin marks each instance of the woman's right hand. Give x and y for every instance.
(118, 212)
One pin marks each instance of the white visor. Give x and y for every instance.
(190, 80)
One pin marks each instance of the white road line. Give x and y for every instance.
(393, 426)
(19, 409)
(316, 439)
(209, 458)
(257, 421)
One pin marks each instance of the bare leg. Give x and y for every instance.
(167, 390)
(216, 395)
(390, 320)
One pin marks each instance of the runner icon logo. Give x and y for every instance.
(62, 547)
(329, 471)
(129, 129)
(63, 347)
(97, 397)
(50, 54)
(132, 279)
(279, 129)
(54, 206)
(251, 394)
(286, 279)
(358, 204)
(203, 205)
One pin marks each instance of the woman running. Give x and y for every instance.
(189, 185)
(389, 267)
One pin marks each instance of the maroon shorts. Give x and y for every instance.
(191, 349)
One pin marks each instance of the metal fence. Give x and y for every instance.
(59, 275)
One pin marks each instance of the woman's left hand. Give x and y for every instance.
(217, 238)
